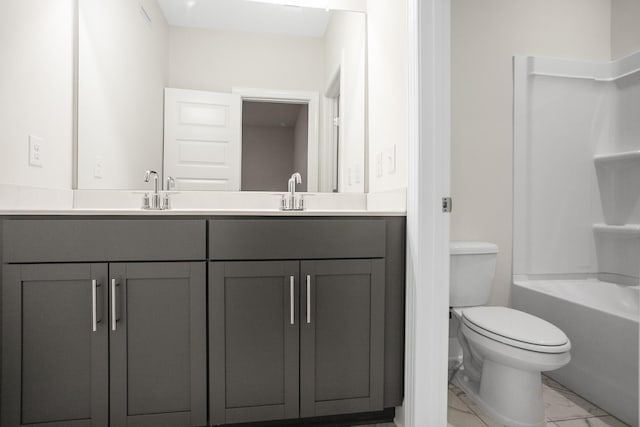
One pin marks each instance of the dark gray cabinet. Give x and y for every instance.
(253, 337)
(295, 339)
(55, 367)
(157, 344)
(142, 364)
(342, 337)
(87, 341)
(105, 322)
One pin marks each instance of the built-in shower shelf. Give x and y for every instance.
(615, 158)
(628, 229)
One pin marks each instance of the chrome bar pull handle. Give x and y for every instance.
(308, 298)
(113, 304)
(94, 305)
(292, 299)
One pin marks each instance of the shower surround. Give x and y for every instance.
(577, 209)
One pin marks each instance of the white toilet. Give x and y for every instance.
(504, 350)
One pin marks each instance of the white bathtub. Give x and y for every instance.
(601, 320)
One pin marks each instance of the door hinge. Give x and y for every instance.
(447, 204)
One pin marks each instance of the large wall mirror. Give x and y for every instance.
(220, 95)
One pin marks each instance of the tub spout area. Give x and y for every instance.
(601, 320)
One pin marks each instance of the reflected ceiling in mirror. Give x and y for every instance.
(248, 16)
(129, 52)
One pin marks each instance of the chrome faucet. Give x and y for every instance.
(151, 201)
(171, 183)
(289, 201)
(295, 179)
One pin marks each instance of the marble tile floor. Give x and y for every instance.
(563, 408)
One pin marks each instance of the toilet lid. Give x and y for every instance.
(516, 328)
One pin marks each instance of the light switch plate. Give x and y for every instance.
(99, 165)
(356, 173)
(36, 151)
(390, 158)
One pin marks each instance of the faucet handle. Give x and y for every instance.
(148, 173)
(171, 183)
(166, 202)
(146, 202)
(291, 203)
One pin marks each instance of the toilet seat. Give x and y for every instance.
(516, 328)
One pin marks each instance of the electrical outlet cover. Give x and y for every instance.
(36, 151)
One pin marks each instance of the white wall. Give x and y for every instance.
(387, 69)
(36, 87)
(123, 63)
(220, 60)
(344, 52)
(272, 145)
(485, 36)
(625, 28)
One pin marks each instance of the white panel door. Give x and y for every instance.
(202, 139)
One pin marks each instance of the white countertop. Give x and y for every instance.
(196, 212)
(17, 200)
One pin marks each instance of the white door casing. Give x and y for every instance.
(202, 139)
(427, 293)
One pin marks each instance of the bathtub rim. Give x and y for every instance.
(528, 282)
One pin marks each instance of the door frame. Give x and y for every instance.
(294, 97)
(428, 180)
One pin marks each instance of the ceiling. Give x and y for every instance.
(245, 15)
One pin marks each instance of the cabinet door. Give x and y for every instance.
(55, 358)
(342, 337)
(158, 344)
(253, 341)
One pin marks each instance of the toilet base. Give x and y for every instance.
(512, 397)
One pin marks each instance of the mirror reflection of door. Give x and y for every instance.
(202, 142)
(273, 134)
(216, 141)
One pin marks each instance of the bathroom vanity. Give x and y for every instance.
(191, 320)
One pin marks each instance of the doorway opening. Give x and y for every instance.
(274, 144)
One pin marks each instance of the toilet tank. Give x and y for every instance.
(473, 267)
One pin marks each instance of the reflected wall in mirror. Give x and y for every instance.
(129, 52)
(274, 133)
